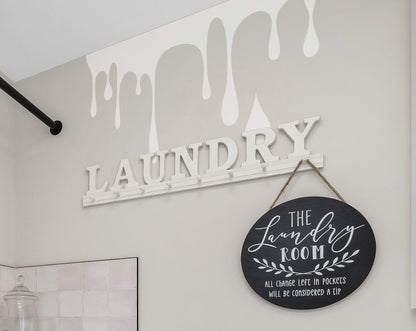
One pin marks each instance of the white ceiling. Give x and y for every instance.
(39, 35)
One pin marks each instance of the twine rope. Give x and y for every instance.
(293, 174)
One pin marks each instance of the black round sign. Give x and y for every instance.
(308, 253)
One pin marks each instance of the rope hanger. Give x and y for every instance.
(293, 174)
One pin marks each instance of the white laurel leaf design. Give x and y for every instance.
(317, 270)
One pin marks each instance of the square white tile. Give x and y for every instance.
(3, 308)
(95, 324)
(47, 278)
(70, 304)
(48, 304)
(123, 303)
(70, 324)
(3, 324)
(48, 324)
(70, 276)
(96, 275)
(7, 279)
(123, 274)
(95, 303)
(122, 324)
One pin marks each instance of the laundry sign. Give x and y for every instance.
(211, 38)
(135, 178)
(308, 253)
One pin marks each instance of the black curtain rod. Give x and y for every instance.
(55, 126)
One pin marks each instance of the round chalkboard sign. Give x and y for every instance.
(308, 253)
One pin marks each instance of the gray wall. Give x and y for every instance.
(413, 146)
(189, 243)
(7, 180)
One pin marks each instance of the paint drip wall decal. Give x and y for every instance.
(140, 55)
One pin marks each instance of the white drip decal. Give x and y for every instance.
(311, 43)
(257, 120)
(108, 91)
(274, 43)
(229, 109)
(141, 54)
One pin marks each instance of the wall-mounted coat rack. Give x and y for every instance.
(55, 126)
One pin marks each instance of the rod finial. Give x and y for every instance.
(57, 128)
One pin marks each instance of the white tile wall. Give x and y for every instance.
(70, 324)
(70, 303)
(30, 277)
(90, 296)
(48, 324)
(70, 276)
(47, 278)
(122, 324)
(123, 274)
(96, 304)
(96, 275)
(94, 324)
(122, 303)
(48, 304)
(7, 279)
(7, 282)
(3, 312)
